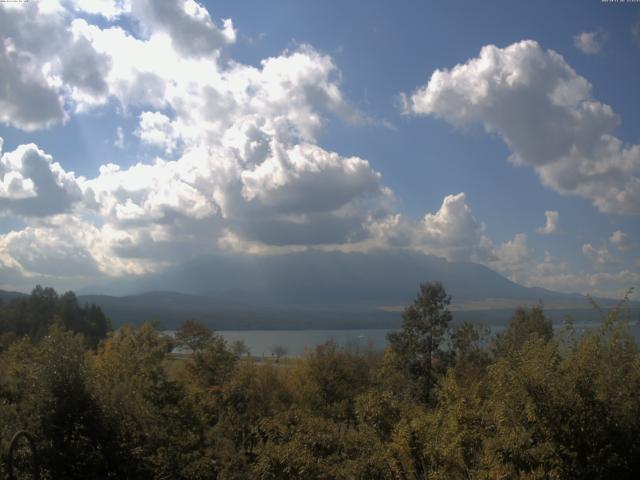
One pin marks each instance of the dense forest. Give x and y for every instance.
(444, 401)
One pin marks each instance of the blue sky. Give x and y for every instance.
(414, 161)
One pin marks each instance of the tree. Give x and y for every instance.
(279, 351)
(240, 348)
(48, 384)
(194, 335)
(524, 324)
(329, 379)
(143, 404)
(90, 321)
(425, 323)
(33, 315)
(212, 365)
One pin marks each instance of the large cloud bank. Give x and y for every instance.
(239, 166)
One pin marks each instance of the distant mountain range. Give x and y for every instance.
(330, 278)
(317, 290)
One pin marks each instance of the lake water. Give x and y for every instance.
(262, 342)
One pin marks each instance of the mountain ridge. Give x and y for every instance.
(316, 290)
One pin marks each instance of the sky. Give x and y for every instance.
(139, 135)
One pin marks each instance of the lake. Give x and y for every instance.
(262, 342)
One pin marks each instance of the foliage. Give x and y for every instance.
(33, 315)
(193, 335)
(524, 324)
(529, 404)
(425, 323)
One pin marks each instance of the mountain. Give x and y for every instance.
(329, 279)
(7, 296)
(171, 309)
(318, 290)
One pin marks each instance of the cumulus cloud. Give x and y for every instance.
(621, 241)
(551, 226)
(187, 23)
(590, 43)
(604, 284)
(157, 129)
(27, 100)
(513, 256)
(83, 72)
(53, 63)
(555, 274)
(32, 184)
(239, 165)
(64, 245)
(109, 9)
(246, 168)
(601, 257)
(452, 232)
(46, 64)
(545, 113)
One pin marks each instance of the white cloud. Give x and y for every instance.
(32, 184)
(554, 274)
(247, 172)
(601, 257)
(545, 113)
(246, 166)
(119, 141)
(590, 43)
(48, 59)
(28, 34)
(604, 284)
(64, 246)
(514, 257)
(551, 225)
(621, 241)
(110, 9)
(157, 129)
(187, 23)
(452, 232)
(46, 63)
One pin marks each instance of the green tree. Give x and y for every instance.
(425, 323)
(89, 321)
(194, 335)
(33, 315)
(302, 445)
(329, 380)
(46, 385)
(211, 366)
(525, 323)
(144, 404)
(240, 348)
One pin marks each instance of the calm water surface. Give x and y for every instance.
(262, 342)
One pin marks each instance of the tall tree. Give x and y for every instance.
(524, 324)
(194, 335)
(425, 323)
